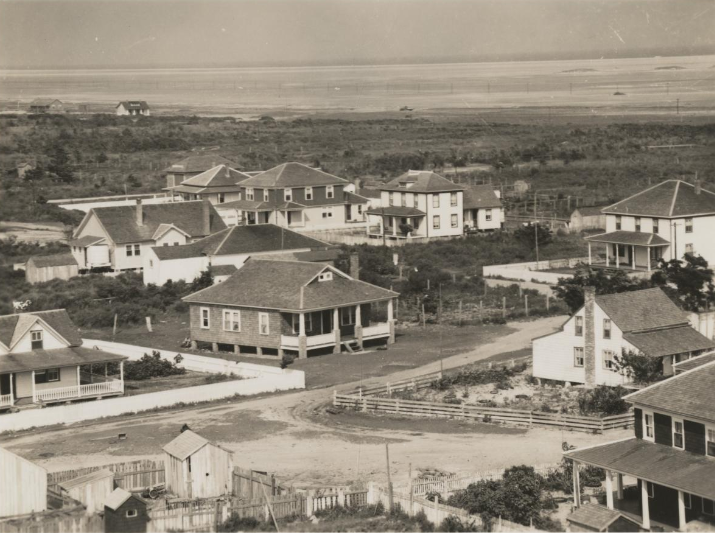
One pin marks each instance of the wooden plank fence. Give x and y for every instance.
(519, 417)
(250, 484)
(75, 521)
(132, 476)
(419, 382)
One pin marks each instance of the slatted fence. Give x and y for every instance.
(250, 484)
(520, 417)
(413, 384)
(133, 475)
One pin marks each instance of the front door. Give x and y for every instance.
(5, 384)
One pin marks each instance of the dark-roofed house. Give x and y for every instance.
(218, 185)
(117, 238)
(229, 247)
(418, 204)
(587, 217)
(273, 307)
(46, 105)
(296, 196)
(42, 268)
(42, 361)
(644, 321)
(483, 208)
(125, 512)
(133, 108)
(194, 165)
(666, 221)
(671, 459)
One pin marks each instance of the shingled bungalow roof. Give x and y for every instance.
(293, 175)
(12, 326)
(689, 394)
(121, 225)
(241, 240)
(218, 176)
(669, 199)
(289, 286)
(481, 197)
(421, 181)
(199, 163)
(41, 261)
(643, 310)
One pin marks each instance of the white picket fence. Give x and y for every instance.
(533, 270)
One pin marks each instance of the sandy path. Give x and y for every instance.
(291, 435)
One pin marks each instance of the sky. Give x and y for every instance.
(208, 33)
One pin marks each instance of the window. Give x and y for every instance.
(404, 199)
(151, 261)
(392, 198)
(288, 195)
(650, 488)
(249, 193)
(327, 212)
(435, 222)
(710, 442)
(678, 434)
(231, 320)
(330, 191)
(453, 199)
(359, 209)
(455, 221)
(656, 228)
(687, 501)
(325, 276)
(608, 360)
(689, 248)
(347, 316)
(708, 507)
(435, 200)
(638, 223)
(165, 244)
(309, 193)
(45, 376)
(648, 426)
(688, 225)
(488, 215)
(205, 318)
(579, 326)
(266, 197)
(137, 250)
(295, 321)
(131, 513)
(36, 337)
(578, 356)
(263, 324)
(618, 223)
(221, 197)
(128, 249)
(606, 328)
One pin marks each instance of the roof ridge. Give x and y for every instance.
(638, 194)
(228, 234)
(675, 197)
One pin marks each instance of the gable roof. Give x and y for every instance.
(370, 193)
(87, 240)
(117, 498)
(293, 175)
(44, 101)
(120, 221)
(596, 517)
(481, 197)
(421, 181)
(670, 341)
(694, 362)
(688, 394)
(199, 163)
(256, 238)
(87, 478)
(671, 198)
(187, 443)
(642, 310)
(41, 261)
(163, 229)
(134, 104)
(57, 319)
(289, 286)
(218, 176)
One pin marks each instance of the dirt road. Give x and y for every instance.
(293, 436)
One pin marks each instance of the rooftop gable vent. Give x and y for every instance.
(325, 276)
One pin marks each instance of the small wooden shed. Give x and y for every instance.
(592, 517)
(197, 468)
(47, 267)
(91, 489)
(125, 512)
(26, 483)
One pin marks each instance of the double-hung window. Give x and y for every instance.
(678, 440)
(231, 320)
(128, 249)
(606, 328)
(329, 191)
(249, 194)
(36, 337)
(609, 362)
(288, 195)
(618, 223)
(708, 507)
(578, 357)
(579, 326)
(488, 215)
(710, 441)
(435, 221)
(656, 227)
(347, 316)
(648, 426)
(266, 197)
(137, 250)
(309, 193)
(455, 220)
(688, 225)
(453, 199)
(392, 198)
(205, 318)
(638, 223)
(435, 200)
(263, 324)
(404, 199)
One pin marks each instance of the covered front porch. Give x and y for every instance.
(337, 327)
(395, 222)
(630, 250)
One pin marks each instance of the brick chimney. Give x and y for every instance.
(354, 265)
(139, 213)
(589, 327)
(206, 216)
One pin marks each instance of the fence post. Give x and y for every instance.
(547, 302)
(503, 307)
(364, 404)
(526, 304)
(397, 406)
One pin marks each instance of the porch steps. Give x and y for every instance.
(352, 346)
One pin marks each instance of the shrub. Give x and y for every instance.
(150, 366)
(454, 523)
(603, 400)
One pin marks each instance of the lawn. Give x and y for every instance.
(179, 381)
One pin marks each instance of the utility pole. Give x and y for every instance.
(389, 480)
(536, 233)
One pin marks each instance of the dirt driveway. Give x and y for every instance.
(293, 436)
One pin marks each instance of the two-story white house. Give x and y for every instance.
(42, 361)
(666, 221)
(117, 238)
(418, 203)
(644, 321)
(483, 210)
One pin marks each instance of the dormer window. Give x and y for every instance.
(325, 276)
(288, 195)
(309, 193)
(648, 426)
(36, 337)
(330, 191)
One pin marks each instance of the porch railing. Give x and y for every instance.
(6, 400)
(312, 341)
(376, 330)
(83, 391)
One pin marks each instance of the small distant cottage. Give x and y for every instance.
(132, 108)
(23, 168)
(91, 489)
(47, 267)
(29, 483)
(125, 512)
(587, 218)
(46, 105)
(197, 468)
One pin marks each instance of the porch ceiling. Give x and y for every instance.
(634, 238)
(657, 463)
(57, 358)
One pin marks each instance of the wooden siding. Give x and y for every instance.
(25, 483)
(248, 336)
(35, 274)
(93, 494)
(118, 521)
(130, 476)
(211, 473)
(175, 476)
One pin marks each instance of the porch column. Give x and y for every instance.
(336, 330)
(618, 256)
(79, 381)
(391, 321)
(358, 325)
(121, 374)
(608, 255)
(589, 253)
(633, 257)
(394, 226)
(681, 511)
(576, 485)
(106, 370)
(12, 393)
(609, 489)
(302, 340)
(648, 256)
(644, 504)
(619, 486)
(34, 393)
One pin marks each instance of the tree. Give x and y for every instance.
(692, 279)
(528, 237)
(202, 281)
(60, 163)
(637, 366)
(570, 290)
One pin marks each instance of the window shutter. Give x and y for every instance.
(663, 429)
(638, 422)
(694, 437)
